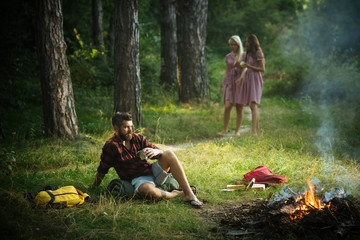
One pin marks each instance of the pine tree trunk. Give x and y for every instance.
(97, 25)
(168, 75)
(57, 94)
(127, 69)
(191, 36)
(111, 35)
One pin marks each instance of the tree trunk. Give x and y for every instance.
(127, 69)
(97, 25)
(191, 36)
(111, 34)
(57, 94)
(168, 72)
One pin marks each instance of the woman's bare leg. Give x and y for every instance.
(255, 118)
(227, 112)
(239, 118)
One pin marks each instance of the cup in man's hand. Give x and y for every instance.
(141, 155)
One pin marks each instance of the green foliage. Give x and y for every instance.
(266, 19)
(216, 71)
(77, 15)
(94, 109)
(87, 66)
(287, 83)
(8, 160)
(330, 79)
(149, 46)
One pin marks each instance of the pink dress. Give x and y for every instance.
(251, 87)
(231, 90)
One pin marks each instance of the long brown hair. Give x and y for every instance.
(254, 46)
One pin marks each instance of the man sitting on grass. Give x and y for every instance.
(121, 152)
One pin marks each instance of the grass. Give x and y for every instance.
(285, 146)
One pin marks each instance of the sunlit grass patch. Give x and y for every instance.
(172, 124)
(45, 154)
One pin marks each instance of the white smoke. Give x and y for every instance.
(333, 79)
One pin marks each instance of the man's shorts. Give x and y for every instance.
(157, 179)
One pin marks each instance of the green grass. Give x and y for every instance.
(285, 146)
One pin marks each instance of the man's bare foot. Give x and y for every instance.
(193, 202)
(222, 132)
(237, 134)
(192, 187)
(176, 193)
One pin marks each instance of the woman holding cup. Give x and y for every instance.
(251, 81)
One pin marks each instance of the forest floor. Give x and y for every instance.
(286, 146)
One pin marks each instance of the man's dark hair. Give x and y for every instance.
(119, 117)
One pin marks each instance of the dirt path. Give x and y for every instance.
(243, 129)
(176, 147)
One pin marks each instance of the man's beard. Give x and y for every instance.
(125, 137)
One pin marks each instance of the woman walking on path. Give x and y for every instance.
(230, 89)
(251, 81)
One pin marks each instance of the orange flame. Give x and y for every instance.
(309, 202)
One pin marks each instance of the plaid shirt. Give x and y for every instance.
(127, 165)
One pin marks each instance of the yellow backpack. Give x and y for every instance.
(63, 197)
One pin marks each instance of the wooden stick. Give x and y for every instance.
(250, 184)
(332, 215)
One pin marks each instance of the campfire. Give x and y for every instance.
(290, 214)
(307, 202)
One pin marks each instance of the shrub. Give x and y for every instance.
(87, 66)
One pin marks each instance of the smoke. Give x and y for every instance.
(327, 41)
(330, 38)
(325, 135)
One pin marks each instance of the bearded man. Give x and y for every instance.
(121, 152)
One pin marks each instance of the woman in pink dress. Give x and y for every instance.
(230, 89)
(251, 80)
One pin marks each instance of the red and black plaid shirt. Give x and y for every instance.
(127, 165)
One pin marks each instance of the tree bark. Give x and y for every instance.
(191, 37)
(168, 73)
(126, 53)
(60, 118)
(111, 35)
(97, 26)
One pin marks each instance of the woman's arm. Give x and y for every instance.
(226, 70)
(239, 81)
(261, 68)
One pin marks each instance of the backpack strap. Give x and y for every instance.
(52, 196)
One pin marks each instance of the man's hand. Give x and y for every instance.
(151, 152)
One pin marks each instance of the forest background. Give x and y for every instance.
(311, 50)
(312, 64)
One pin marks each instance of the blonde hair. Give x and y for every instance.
(240, 50)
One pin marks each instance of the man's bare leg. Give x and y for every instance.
(169, 161)
(150, 191)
